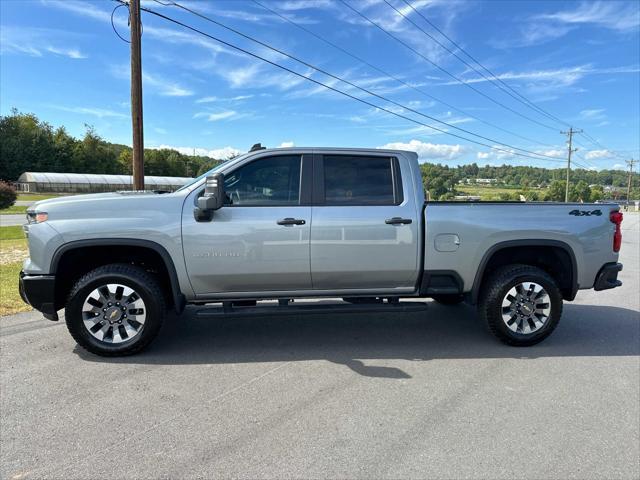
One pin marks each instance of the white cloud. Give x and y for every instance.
(159, 130)
(96, 112)
(225, 115)
(613, 15)
(502, 154)
(206, 99)
(429, 151)
(217, 153)
(563, 77)
(37, 42)
(212, 99)
(553, 153)
(619, 166)
(287, 145)
(593, 114)
(67, 52)
(164, 87)
(597, 154)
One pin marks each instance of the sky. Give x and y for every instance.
(556, 64)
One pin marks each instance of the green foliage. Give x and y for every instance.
(28, 144)
(8, 195)
(580, 192)
(556, 191)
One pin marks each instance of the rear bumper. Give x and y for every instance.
(608, 277)
(39, 292)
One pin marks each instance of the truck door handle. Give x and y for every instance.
(398, 221)
(291, 221)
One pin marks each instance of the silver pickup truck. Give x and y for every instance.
(261, 232)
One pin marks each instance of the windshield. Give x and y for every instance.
(207, 173)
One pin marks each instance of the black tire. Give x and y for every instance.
(142, 282)
(496, 288)
(448, 299)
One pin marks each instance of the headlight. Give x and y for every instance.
(36, 217)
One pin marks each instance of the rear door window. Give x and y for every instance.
(360, 180)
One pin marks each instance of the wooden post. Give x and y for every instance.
(136, 96)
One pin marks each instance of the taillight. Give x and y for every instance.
(616, 218)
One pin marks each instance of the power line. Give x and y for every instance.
(365, 90)
(336, 90)
(457, 79)
(393, 77)
(522, 99)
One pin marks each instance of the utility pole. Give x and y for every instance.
(136, 95)
(630, 163)
(570, 151)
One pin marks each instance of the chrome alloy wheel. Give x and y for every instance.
(526, 308)
(114, 313)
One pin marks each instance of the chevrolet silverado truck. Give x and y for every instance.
(263, 231)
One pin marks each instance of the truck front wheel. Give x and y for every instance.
(115, 310)
(521, 304)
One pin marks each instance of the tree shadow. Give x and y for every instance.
(358, 340)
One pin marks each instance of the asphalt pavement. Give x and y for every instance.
(12, 220)
(421, 395)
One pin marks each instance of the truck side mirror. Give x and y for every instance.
(212, 200)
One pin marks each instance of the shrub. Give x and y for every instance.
(7, 195)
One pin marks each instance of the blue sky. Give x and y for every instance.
(579, 61)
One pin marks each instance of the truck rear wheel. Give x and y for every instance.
(115, 310)
(521, 304)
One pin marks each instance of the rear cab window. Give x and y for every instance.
(358, 180)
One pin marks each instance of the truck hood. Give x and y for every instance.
(56, 202)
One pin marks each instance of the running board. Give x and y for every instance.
(310, 308)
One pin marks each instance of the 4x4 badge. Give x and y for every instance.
(585, 213)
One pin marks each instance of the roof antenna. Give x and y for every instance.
(257, 146)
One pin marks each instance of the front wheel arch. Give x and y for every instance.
(74, 259)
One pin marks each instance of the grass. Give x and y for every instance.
(34, 197)
(14, 209)
(10, 301)
(490, 192)
(11, 233)
(13, 248)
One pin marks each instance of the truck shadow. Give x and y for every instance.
(358, 340)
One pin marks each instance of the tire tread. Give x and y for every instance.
(139, 275)
(491, 293)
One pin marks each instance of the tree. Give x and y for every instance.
(556, 191)
(581, 192)
(597, 193)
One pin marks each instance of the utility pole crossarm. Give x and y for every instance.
(136, 95)
(570, 134)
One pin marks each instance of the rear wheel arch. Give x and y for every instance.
(555, 257)
(74, 259)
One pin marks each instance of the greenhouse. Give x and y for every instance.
(37, 182)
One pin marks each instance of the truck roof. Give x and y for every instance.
(336, 150)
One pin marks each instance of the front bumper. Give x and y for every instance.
(39, 292)
(608, 277)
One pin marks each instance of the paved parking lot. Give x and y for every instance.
(359, 396)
